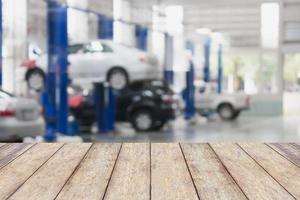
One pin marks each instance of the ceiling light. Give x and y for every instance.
(203, 31)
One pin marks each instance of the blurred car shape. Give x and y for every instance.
(95, 61)
(228, 106)
(19, 118)
(148, 105)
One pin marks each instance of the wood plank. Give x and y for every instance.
(11, 151)
(47, 182)
(210, 176)
(254, 180)
(169, 174)
(13, 175)
(94, 171)
(131, 176)
(289, 151)
(285, 172)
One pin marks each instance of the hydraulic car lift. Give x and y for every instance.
(207, 47)
(57, 77)
(220, 70)
(168, 60)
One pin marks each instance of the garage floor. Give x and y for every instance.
(246, 129)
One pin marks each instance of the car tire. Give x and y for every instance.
(118, 78)
(35, 79)
(142, 120)
(159, 126)
(226, 112)
(236, 115)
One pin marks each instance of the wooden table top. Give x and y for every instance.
(149, 171)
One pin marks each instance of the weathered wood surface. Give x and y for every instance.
(149, 171)
(252, 178)
(92, 176)
(131, 176)
(210, 176)
(11, 151)
(170, 178)
(13, 175)
(289, 151)
(282, 170)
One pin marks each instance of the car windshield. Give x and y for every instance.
(73, 49)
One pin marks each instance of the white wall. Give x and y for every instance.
(123, 33)
(15, 40)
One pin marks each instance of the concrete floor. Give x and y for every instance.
(246, 129)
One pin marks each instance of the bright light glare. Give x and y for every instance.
(174, 19)
(203, 31)
(270, 25)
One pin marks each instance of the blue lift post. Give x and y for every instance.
(57, 117)
(1, 42)
(189, 92)
(141, 34)
(207, 47)
(104, 101)
(169, 56)
(220, 70)
(105, 27)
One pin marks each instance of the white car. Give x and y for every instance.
(19, 117)
(228, 106)
(100, 60)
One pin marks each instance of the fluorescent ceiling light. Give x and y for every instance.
(203, 31)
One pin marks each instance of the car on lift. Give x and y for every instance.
(96, 61)
(148, 105)
(228, 106)
(19, 118)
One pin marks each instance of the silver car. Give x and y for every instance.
(19, 117)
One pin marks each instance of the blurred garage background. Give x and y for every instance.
(155, 70)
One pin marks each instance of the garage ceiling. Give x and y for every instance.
(237, 19)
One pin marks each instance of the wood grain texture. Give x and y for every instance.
(289, 151)
(131, 176)
(10, 151)
(169, 174)
(211, 178)
(50, 178)
(91, 178)
(285, 172)
(13, 175)
(254, 181)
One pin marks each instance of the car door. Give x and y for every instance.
(90, 63)
(204, 99)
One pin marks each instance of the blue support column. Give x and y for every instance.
(57, 117)
(141, 34)
(169, 56)
(105, 103)
(220, 70)
(189, 93)
(105, 27)
(1, 42)
(207, 47)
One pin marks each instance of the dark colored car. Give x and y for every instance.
(148, 105)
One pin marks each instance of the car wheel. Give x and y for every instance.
(236, 115)
(226, 112)
(159, 126)
(118, 79)
(35, 79)
(142, 120)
